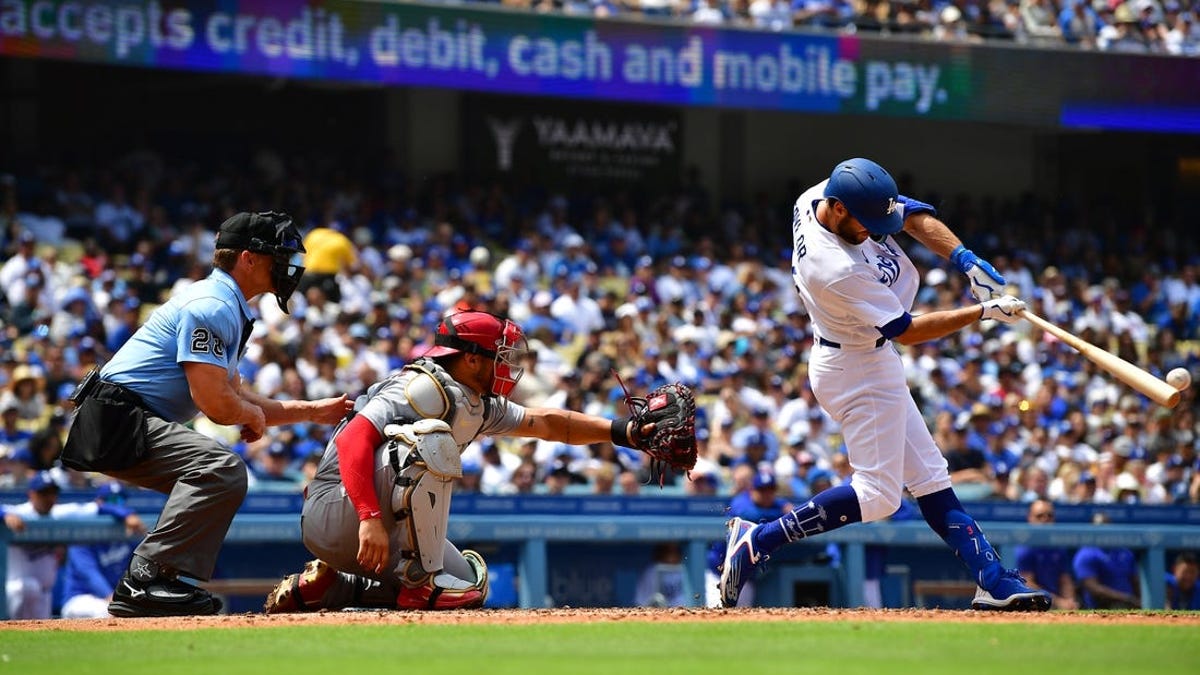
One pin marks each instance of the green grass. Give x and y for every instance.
(615, 648)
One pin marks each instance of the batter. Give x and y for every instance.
(858, 286)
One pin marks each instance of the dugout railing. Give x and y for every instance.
(534, 526)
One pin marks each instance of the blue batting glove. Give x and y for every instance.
(986, 282)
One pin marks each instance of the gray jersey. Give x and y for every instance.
(425, 390)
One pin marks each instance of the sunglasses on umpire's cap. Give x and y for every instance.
(270, 233)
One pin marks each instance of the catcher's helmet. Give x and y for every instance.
(869, 193)
(488, 335)
(271, 233)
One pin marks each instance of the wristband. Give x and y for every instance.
(958, 254)
(620, 432)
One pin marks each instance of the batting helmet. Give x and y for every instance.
(487, 335)
(869, 193)
(270, 233)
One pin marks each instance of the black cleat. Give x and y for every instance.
(146, 591)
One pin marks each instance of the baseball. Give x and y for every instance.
(1179, 378)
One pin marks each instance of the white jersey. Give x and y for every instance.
(33, 568)
(849, 290)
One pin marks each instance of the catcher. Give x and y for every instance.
(376, 513)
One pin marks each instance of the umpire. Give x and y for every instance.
(132, 413)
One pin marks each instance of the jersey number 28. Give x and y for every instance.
(203, 342)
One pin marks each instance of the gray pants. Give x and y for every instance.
(330, 528)
(205, 483)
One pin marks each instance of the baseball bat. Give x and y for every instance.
(1157, 390)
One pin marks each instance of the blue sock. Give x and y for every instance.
(946, 516)
(934, 508)
(829, 510)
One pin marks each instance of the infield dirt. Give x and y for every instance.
(601, 615)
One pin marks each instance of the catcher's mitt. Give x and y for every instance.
(671, 408)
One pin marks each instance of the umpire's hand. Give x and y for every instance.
(331, 410)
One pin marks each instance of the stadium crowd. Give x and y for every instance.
(658, 289)
(1139, 26)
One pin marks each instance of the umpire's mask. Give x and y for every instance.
(273, 234)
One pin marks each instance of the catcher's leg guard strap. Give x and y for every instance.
(421, 501)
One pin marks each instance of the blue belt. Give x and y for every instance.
(837, 345)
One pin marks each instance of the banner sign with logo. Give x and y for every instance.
(563, 142)
(520, 52)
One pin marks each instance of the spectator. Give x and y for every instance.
(760, 504)
(1040, 21)
(328, 253)
(91, 571)
(1108, 577)
(1123, 34)
(664, 581)
(1079, 24)
(629, 484)
(118, 223)
(968, 466)
(1182, 37)
(777, 15)
(1047, 568)
(33, 568)
(709, 12)
(28, 396)
(1182, 592)
(469, 481)
(273, 468)
(18, 266)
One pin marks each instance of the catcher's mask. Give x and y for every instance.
(271, 233)
(487, 335)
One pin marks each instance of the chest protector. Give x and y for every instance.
(425, 458)
(432, 393)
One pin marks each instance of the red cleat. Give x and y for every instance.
(442, 591)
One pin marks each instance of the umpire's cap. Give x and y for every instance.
(869, 193)
(268, 232)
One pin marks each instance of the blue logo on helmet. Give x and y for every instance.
(869, 193)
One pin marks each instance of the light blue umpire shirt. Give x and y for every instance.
(207, 322)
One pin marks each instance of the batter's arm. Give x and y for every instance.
(986, 282)
(932, 232)
(939, 324)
